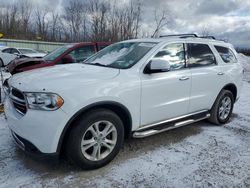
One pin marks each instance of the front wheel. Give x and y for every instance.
(222, 108)
(95, 139)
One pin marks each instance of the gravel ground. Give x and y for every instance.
(198, 155)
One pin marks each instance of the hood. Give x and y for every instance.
(39, 55)
(25, 62)
(60, 77)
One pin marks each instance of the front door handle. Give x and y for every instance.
(220, 73)
(183, 78)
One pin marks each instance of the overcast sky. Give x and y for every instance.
(227, 19)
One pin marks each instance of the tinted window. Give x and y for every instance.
(7, 50)
(200, 55)
(226, 54)
(59, 51)
(13, 50)
(174, 54)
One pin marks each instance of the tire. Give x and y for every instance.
(84, 134)
(219, 108)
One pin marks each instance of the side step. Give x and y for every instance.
(170, 125)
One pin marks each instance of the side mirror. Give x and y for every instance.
(17, 54)
(157, 65)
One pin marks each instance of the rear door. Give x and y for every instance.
(206, 78)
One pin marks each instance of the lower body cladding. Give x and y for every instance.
(31, 150)
(36, 132)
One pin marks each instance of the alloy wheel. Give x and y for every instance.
(99, 140)
(225, 108)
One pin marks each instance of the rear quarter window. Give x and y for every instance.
(226, 54)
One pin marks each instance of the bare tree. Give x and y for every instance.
(25, 9)
(161, 20)
(74, 16)
(98, 11)
(54, 26)
(42, 23)
(96, 20)
(205, 32)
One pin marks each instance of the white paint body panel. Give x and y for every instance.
(7, 58)
(164, 95)
(148, 98)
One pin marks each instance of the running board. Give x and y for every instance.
(168, 126)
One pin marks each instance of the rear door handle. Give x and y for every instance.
(220, 73)
(183, 78)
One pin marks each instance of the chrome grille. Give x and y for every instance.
(18, 101)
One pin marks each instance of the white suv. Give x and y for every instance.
(132, 88)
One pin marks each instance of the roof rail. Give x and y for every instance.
(189, 35)
(208, 37)
(181, 35)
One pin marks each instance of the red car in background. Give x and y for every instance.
(69, 53)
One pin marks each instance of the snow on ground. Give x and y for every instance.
(245, 61)
(198, 155)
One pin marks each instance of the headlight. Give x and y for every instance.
(44, 101)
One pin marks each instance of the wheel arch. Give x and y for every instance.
(231, 87)
(116, 107)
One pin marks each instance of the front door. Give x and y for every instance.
(165, 95)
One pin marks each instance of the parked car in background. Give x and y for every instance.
(5, 58)
(24, 52)
(132, 88)
(69, 53)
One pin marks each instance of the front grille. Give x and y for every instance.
(18, 101)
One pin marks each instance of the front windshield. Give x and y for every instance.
(57, 52)
(27, 51)
(121, 55)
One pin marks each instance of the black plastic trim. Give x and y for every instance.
(86, 108)
(172, 123)
(32, 151)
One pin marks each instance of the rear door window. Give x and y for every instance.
(226, 54)
(200, 55)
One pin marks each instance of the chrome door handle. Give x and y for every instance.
(220, 73)
(183, 78)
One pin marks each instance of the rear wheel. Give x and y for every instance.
(222, 108)
(95, 139)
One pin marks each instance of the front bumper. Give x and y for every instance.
(42, 129)
(31, 150)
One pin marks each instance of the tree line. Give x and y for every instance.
(90, 20)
